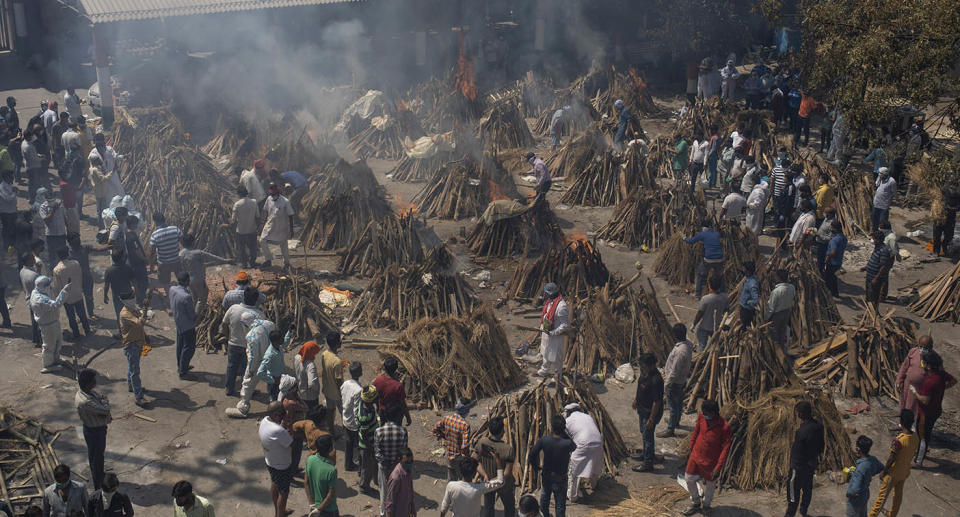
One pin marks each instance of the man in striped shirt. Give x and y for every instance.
(165, 248)
(878, 270)
(781, 195)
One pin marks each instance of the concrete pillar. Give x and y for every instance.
(103, 75)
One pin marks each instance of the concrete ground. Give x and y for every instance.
(188, 437)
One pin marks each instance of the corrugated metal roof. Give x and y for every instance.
(104, 11)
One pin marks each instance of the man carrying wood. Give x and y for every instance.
(712, 254)
(780, 308)
(554, 325)
(676, 370)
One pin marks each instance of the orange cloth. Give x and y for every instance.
(308, 351)
(807, 105)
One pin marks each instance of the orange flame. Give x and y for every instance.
(637, 80)
(496, 193)
(465, 76)
(403, 208)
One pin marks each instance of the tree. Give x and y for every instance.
(871, 56)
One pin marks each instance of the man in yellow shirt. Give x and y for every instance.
(897, 469)
(331, 378)
(823, 196)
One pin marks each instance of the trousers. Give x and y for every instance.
(133, 353)
(886, 486)
(186, 346)
(799, 491)
(506, 496)
(75, 311)
(649, 437)
(703, 271)
(558, 489)
(247, 249)
(675, 401)
(236, 363)
(52, 339)
(96, 438)
(268, 255)
(692, 486)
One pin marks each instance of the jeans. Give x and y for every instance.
(712, 170)
(351, 447)
(368, 465)
(4, 311)
(186, 345)
(117, 306)
(55, 243)
(703, 271)
(247, 249)
(102, 204)
(506, 495)
(96, 438)
(879, 215)
(133, 369)
(35, 329)
(87, 286)
(649, 446)
(830, 278)
(803, 126)
(236, 365)
(821, 255)
(799, 491)
(747, 315)
(703, 335)
(826, 135)
(675, 402)
(780, 327)
(557, 487)
(140, 282)
(75, 310)
(855, 509)
(34, 179)
(925, 425)
(695, 170)
(273, 389)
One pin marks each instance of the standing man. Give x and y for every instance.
(943, 228)
(236, 323)
(676, 370)
(400, 488)
(911, 373)
(867, 466)
(56, 143)
(276, 442)
(930, 398)
(165, 249)
(886, 188)
(878, 271)
(803, 224)
(277, 226)
(648, 402)
(680, 157)
(136, 258)
(750, 294)
(305, 370)
(780, 308)
(193, 261)
(462, 498)
(188, 504)
(235, 295)
(118, 279)
(94, 411)
(71, 102)
(557, 123)
(81, 253)
(541, 173)
(320, 483)
(487, 449)
(834, 257)
(709, 445)
(782, 198)
(134, 338)
(586, 461)
(756, 204)
(698, 161)
(8, 209)
(556, 449)
(804, 457)
(65, 497)
(454, 431)
(366, 429)
(554, 325)
(713, 305)
(390, 390)
(28, 280)
(46, 311)
(824, 198)
(55, 224)
(824, 235)
(185, 319)
(732, 207)
(32, 162)
(246, 215)
(729, 74)
(897, 469)
(252, 181)
(623, 120)
(331, 379)
(390, 440)
(712, 260)
(106, 181)
(67, 273)
(350, 393)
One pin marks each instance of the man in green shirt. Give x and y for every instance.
(321, 485)
(681, 157)
(188, 504)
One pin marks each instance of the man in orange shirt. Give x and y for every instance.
(807, 106)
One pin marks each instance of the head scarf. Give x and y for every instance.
(116, 202)
(571, 407)
(43, 284)
(287, 383)
(308, 351)
(369, 394)
(242, 276)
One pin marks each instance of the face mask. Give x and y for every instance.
(408, 467)
(65, 484)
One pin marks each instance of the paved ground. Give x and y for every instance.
(192, 439)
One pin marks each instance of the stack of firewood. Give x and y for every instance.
(678, 261)
(651, 217)
(854, 194)
(577, 154)
(576, 267)
(442, 105)
(342, 200)
(383, 138)
(533, 229)
(609, 178)
(398, 295)
(463, 188)
(578, 116)
(29, 461)
(444, 358)
(880, 344)
(527, 419)
(391, 240)
(503, 127)
(939, 300)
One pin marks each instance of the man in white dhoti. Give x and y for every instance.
(554, 323)
(586, 462)
(756, 204)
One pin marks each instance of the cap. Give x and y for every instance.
(571, 407)
(242, 276)
(551, 289)
(618, 104)
(530, 156)
(883, 171)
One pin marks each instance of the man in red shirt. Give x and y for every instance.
(930, 398)
(391, 390)
(69, 196)
(709, 445)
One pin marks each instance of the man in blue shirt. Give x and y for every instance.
(712, 254)
(185, 319)
(750, 294)
(858, 493)
(878, 270)
(834, 258)
(623, 118)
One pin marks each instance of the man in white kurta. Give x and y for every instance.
(756, 204)
(555, 323)
(586, 462)
(278, 226)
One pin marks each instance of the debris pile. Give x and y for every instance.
(28, 460)
(512, 228)
(678, 261)
(391, 240)
(398, 295)
(463, 188)
(880, 344)
(649, 218)
(442, 359)
(209, 322)
(609, 178)
(383, 138)
(342, 200)
(939, 299)
(762, 434)
(576, 267)
(503, 127)
(527, 418)
(294, 300)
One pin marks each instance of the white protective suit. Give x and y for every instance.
(258, 339)
(46, 312)
(756, 204)
(587, 460)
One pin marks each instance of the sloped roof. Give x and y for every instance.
(105, 11)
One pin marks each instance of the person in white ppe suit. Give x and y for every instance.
(756, 204)
(46, 312)
(586, 461)
(554, 324)
(258, 340)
